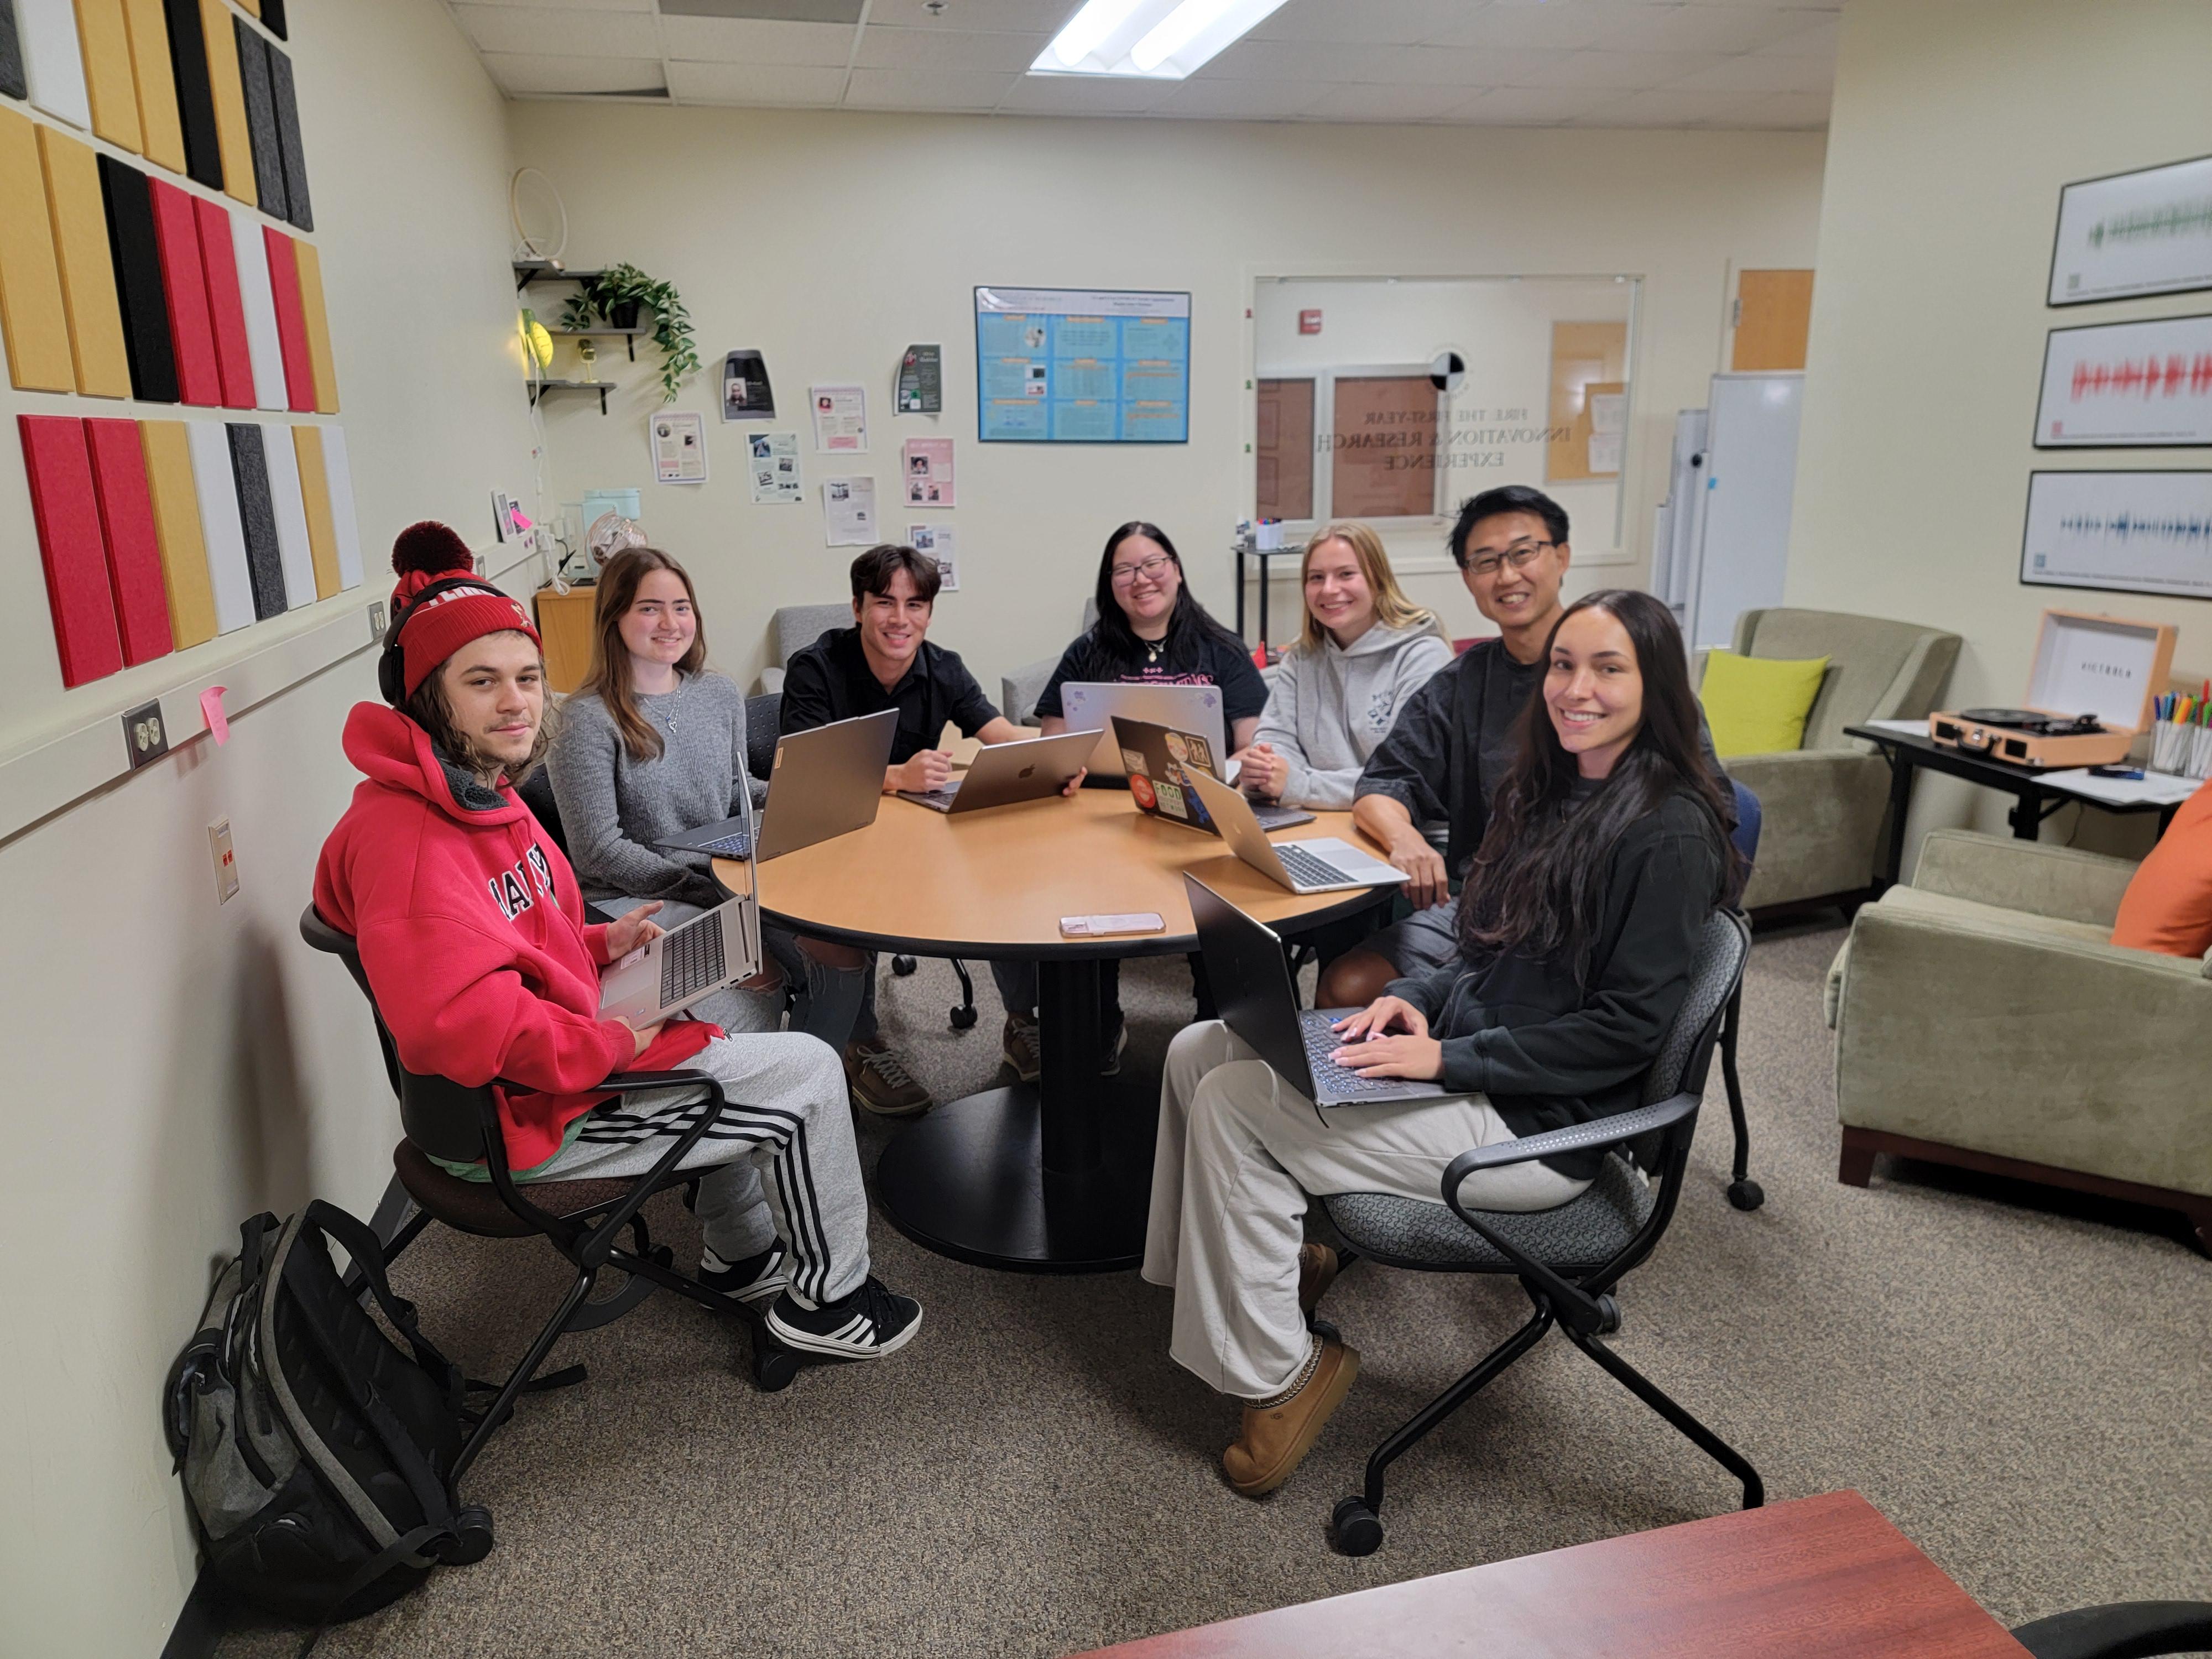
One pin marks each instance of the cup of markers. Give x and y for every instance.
(2181, 733)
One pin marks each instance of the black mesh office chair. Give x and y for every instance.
(585, 1220)
(2120, 1630)
(1567, 1259)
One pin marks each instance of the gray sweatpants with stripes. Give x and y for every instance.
(781, 1153)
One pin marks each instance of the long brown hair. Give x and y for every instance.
(1392, 608)
(429, 708)
(1537, 883)
(609, 678)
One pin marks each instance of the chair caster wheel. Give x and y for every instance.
(774, 1367)
(1746, 1194)
(1357, 1531)
(902, 965)
(963, 1020)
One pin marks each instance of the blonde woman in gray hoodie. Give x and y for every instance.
(1365, 649)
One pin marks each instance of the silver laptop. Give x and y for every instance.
(1258, 1001)
(666, 974)
(731, 838)
(1324, 864)
(1182, 708)
(825, 783)
(1004, 773)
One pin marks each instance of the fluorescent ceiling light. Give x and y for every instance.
(1161, 40)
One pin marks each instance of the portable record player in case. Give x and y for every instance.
(2089, 696)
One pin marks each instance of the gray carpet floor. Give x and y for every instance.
(2018, 1380)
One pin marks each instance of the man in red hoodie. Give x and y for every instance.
(470, 929)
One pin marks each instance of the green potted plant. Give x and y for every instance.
(618, 295)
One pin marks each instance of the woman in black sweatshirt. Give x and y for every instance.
(1606, 850)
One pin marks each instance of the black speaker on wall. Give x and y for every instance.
(195, 92)
(138, 255)
(261, 118)
(11, 54)
(288, 137)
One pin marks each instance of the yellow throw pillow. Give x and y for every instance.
(1758, 705)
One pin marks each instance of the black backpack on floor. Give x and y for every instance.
(316, 1453)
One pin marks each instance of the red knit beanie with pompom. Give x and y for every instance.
(431, 552)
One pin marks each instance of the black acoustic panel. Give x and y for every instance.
(288, 136)
(272, 19)
(195, 92)
(137, 252)
(260, 118)
(256, 512)
(11, 53)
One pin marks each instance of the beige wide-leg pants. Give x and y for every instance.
(1239, 1149)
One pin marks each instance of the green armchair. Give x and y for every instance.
(1983, 1020)
(1825, 801)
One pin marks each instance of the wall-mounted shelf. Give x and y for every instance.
(538, 388)
(527, 271)
(628, 336)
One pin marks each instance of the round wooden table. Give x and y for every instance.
(1026, 1177)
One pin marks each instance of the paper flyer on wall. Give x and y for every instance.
(848, 512)
(921, 380)
(679, 447)
(928, 472)
(841, 419)
(936, 541)
(746, 395)
(776, 479)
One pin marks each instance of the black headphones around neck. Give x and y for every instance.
(391, 667)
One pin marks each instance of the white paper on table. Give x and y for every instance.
(848, 512)
(678, 441)
(840, 418)
(1608, 412)
(2163, 789)
(772, 460)
(1605, 450)
(926, 471)
(936, 541)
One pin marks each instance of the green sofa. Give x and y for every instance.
(1824, 802)
(1983, 1020)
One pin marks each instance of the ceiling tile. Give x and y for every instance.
(1799, 110)
(1704, 28)
(1361, 23)
(1389, 104)
(754, 83)
(1084, 94)
(1623, 71)
(1817, 38)
(757, 40)
(1756, 73)
(942, 48)
(1007, 16)
(969, 89)
(1280, 60)
(521, 72)
(1447, 66)
(1240, 100)
(1530, 107)
(544, 31)
(1563, 24)
(1665, 108)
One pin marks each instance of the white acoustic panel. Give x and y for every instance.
(342, 512)
(221, 526)
(290, 507)
(264, 344)
(53, 63)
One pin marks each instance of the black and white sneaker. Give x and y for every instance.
(867, 1324)
(757, 1280)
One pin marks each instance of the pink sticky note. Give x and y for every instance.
(211, 707)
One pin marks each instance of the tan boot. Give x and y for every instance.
(1277, 1437)
(1317, 1271)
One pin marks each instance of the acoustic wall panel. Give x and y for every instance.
(295, 550)
(221, 528)
(191, 330)
(155, 82)
(315, 501)
(53, 68)
(229, 91)
(260, 118)
(264, 564)
(287, 100)
(226, 305)
(272, 19)
(291, 319)
(134, 550)
(11, 53)
(315, 315)
(66, 509)
(106, 44)
(338, 471)
(137, 256)
(264, 345)
(253, 6)
(177, 531)
(78, 216)
(188, 62)
(33, 321)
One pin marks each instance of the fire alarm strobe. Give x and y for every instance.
(2089, 696)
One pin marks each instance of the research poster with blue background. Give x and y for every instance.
(1082, 366)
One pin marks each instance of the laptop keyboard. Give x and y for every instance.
(1304, 866)
(941, 796)
(691, 959)
(1330, 1078)
(736, 845)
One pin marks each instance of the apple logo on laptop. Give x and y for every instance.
(1025, 772)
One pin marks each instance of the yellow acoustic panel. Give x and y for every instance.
(319, 361)
(107, 45)
(80, 228)
(233, 138)
(154, 75)
(177, 529)
(252, 6)
(315, 491)
(32, 317)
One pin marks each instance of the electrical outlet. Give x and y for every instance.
(226, 861)
(376, 619)
(145, 737)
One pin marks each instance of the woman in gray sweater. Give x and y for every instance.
(1365, 649)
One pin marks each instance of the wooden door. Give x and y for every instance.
(1285, 449)
(1773, 310)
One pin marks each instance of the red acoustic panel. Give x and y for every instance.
(192, 334)
(291, 321)
(66, 508)
(226, 303)
(134, 550)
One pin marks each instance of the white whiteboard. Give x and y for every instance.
(2136, 532)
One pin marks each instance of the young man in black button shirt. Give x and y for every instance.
(885, 660)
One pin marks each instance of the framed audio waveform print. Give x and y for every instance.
(2148, 232)
(2117, 385)
(2134, 532)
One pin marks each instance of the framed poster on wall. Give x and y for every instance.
(2148, 232)
(2127, 386)
(2134, 532)
(1083, 365)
